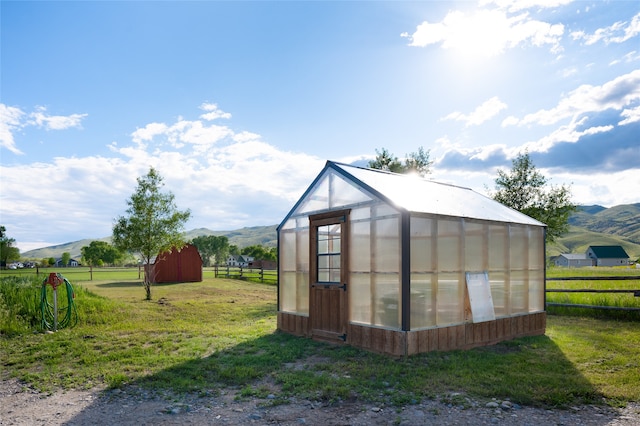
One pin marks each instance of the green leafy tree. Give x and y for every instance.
(98, 253)
(152, 224)
(415, 162)
(525, 189)
(211, 246)
(259, 252)
(51, 261)
(66, 257)
(8, 252)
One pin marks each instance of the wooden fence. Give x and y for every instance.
(635, 292)
(268, 276)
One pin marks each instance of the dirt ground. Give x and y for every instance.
(20, 405)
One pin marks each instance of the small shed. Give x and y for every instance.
(608, 255)
(573, 260)
(184, 265)
(400, 265)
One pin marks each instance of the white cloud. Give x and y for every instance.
(9, 122)
(629, 57)
(213, 112)
(630, 115)
(13, 119)
(517, 5)
(148, 132)
(618, 32)
(486, 111)
(615, 94)
(564, 134)
(182, 132)
(54, 122)
(241, 182)
(486, 32)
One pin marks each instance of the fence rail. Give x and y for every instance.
(269, 276)
(635, 292)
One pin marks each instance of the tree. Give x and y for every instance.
(259, 252)
(98, 253)
(416, 162)
(66, 257)
(211, 246)
(525, 189)
(8, 252)
(153, 224)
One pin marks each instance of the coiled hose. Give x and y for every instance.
(67, 314)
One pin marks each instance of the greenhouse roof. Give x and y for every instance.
(416, 194)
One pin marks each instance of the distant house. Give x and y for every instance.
(239, 260)
(608, 255)
(177, 266)
(72, 263)
(573, 260)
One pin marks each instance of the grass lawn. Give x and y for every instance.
(203, 337)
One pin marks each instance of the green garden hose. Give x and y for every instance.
(67, 315)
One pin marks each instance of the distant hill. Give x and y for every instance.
(255, 235)
(622, 220)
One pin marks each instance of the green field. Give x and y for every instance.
(205, 337)
(612, 300)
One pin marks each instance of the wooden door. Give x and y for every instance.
(328, 297)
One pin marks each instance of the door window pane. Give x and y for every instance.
(328, 253)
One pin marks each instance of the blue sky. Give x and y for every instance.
(239, 104)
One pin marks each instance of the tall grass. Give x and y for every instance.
(613, 300)
(19, 304)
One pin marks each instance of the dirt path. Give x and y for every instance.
(20, 405)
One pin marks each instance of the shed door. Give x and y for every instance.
(328, 310)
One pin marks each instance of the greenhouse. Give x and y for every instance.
(400, 265)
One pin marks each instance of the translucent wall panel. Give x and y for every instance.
(287, 250)
(386, 299)
(422, 245)
(294, 266)
(449, 245)
(331, 192)
(518, 244)
(423, 312)
(287, 291)
(423, 279)
(499, 293)
(374, 265)
(536, 248)
(360, 302)
(360, 253)
(498, 247)
(475, 246)
(519, 290)
(450, 299)
(536, 291)
(498, 240)
(386, 243)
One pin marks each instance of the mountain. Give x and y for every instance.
(622, 220)
(248, 236)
